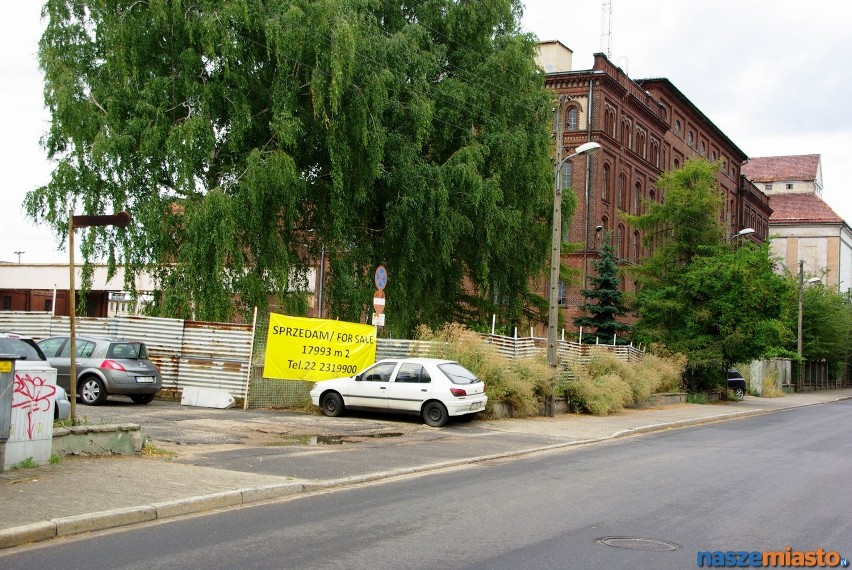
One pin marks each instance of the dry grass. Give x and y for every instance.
(522, 384)
(770, 389)
(598, 395)
(607, 384)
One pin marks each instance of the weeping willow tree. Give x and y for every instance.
(245, 135)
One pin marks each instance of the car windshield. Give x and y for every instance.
(130, 350)
(25, 349)
(458, 374)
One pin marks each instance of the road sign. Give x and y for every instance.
(379, 301)
(378, 319)
(381, 277)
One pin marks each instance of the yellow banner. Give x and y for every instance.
(299, 348)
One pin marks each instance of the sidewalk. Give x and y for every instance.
(83, 494)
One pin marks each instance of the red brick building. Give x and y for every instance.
(644, 127)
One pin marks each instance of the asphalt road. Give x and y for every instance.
(761, 483)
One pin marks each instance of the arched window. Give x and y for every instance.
(625, 133)
(605, 183)
(619, 240)
(655, 152)
(573, 119)
(652, 196)
(637, 198)
(676, 164)
(609, 121)
(621, 199)
(641, 145)
(634, 253)
(690, 138)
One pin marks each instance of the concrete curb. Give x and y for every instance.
(103, 520)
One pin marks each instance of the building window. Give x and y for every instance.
(676, 164)
(690, 138)
(562, 296)
(609, 121)
(634, 253)
(567, 173)
(621, 199)
(573, 119)
(605, 184)
(703, 148)
(637, 198)
(48, 305)
(619, 241)
(677, 127)
(7, 303)
(789, 186)
(768, 187)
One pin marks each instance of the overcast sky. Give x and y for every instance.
(773, 75)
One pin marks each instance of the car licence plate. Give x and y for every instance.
(476, 406)
(145, 379)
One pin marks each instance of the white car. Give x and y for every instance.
(434, 389)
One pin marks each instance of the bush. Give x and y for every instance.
(594, 387)
(522, 384)
(598, 395)
(602, 387)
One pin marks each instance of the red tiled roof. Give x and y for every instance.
(779, 168)
(801, 207)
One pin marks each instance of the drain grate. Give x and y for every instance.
(638, 543)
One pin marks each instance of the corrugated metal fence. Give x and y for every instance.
(207, 355)
(231, 356)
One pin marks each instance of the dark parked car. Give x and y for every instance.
(736, 383)
(104, 366)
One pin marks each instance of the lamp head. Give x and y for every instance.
(588, 148)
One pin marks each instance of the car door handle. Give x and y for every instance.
(383, 387)
(423, 389)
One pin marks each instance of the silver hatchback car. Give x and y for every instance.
(104, 366)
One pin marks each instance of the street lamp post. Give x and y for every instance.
(802, 283)
(121, 219)
(556, 248)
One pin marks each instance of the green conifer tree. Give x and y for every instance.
(604, 301)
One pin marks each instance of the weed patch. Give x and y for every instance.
(152, 451)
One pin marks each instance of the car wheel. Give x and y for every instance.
(435, 414)
(92, 391)
(739, 393)
(332, 404)
(142, 398)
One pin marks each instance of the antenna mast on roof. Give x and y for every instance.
(606, 28)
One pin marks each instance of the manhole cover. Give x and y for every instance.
(638, 543)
